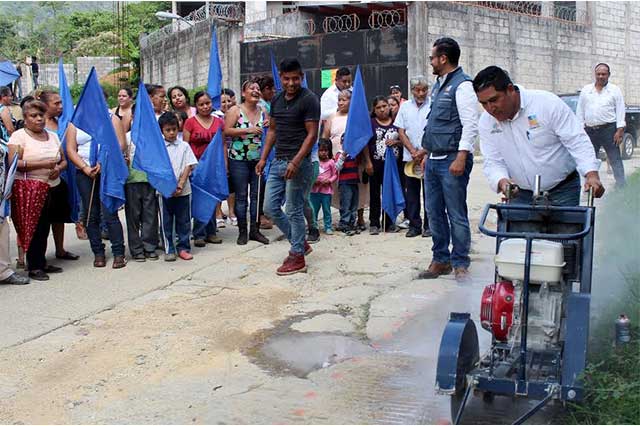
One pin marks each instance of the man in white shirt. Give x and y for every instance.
(329, 99)
(525, 133)
(601, 111)
(452, 126)
(410, 121)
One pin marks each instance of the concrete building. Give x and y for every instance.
(544, 45)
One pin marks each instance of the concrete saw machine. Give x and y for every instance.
(537, 310)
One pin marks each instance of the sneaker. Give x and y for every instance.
(233, 221)
(140, 257)
(265, 223)
(328, 231)
(199, 242)
(307, 249)
(426, 233)
(185, 255)
(361, 227)
(313, 236)
(404, 224)
(435, 270)
(349, 232)
(213, 239)
(293, 264)
(40, 275)
(15, 279)
(220, 223)
(170, 257)
(374, 230)
(151, 255)
(392, 229)
(412, 233)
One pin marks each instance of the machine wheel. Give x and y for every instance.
(626, 147)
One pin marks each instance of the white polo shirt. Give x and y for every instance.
(413, 120)
(544, 138)
(598, 108)
(181, 156)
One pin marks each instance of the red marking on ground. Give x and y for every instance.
(310, 394)
(387, 335)
(337, 376)
(298, 412)
(443, 422)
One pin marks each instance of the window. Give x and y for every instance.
(564, 10)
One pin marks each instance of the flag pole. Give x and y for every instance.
(384, 218)
(258, 201)
(93, 187)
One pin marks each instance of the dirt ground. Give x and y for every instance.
(224, 340)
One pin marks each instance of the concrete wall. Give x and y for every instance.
(104, 65)
(77, 73)
(48, 75)
(182, 58)
(538, 52)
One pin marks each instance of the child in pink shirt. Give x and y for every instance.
(323, 187)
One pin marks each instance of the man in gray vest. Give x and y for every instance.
(452, 127)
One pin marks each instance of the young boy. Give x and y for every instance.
(141, 211)
(348, 180)
(176, 210)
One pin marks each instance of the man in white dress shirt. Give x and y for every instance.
(601, 111)
(329, 99)
(524, 133)
(452, 126)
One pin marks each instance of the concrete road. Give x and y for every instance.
(222, 339)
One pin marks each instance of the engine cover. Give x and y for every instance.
(496, 309)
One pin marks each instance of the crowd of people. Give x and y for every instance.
(432, 137)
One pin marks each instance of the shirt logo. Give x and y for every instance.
(533, 122)
(447, 89)
(496, 129)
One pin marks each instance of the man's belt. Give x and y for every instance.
(600, 126)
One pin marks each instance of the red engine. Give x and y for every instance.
(496, 309)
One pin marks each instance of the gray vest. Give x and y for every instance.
(444, 129)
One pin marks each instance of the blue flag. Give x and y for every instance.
(304, 81)
(392, 194)
(68, 174)
(8, 73)
(151, 155)
(92, 116)
(214, 81)
(358, 130)
(277, 84)
(209, 184)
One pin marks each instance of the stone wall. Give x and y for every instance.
(104, 65)
(182, 58)
(48, 75)
(539, 52)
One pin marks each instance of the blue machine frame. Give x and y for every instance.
(574, 226)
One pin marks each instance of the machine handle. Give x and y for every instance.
(588, 212)
(590, 198)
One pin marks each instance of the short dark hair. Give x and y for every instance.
(290, 65)
(265, 82)
(326, 144)
(167, 119)
(200, 94)
(604, 65)
(34, 104)
(492, 76)
(26, 99)
(128, 90)
(228, 92)
(184, 92)
(448, 47)
(152, 88)
(342, 71)
(5, 91)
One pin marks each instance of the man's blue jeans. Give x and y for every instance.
(279, 189)
(447, 211)
(566, 193)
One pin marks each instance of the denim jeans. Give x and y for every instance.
(176, 214)
(114, 227)
(312, 221)
(566, 193)
(245, 182)
(447, 211)
(603, 137)
(279, 189)
(349, 195)
(318, 201)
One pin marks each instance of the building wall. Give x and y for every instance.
(182, 58)
(104, 65)
(48, 75)
(538, 52)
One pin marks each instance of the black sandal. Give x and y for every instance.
(67, 256)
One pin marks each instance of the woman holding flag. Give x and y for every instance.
(244, 124)
(40, 161)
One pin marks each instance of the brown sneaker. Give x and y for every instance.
(119, 262)
(435, 270)
(292, 264)
(99, 261)
(265, 223)
(213, 239)
(462, 274)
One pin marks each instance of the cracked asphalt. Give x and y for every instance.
(222, 339)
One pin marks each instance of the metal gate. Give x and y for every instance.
(381, 54)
